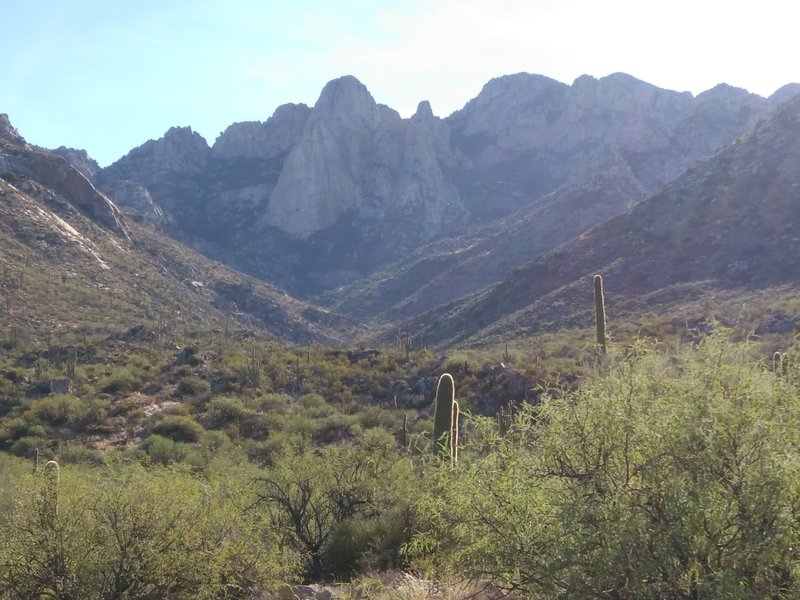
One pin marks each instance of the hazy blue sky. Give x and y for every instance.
(107, 75)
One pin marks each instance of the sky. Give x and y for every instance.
(107, 75)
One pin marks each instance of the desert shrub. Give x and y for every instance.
(164, 451)
(315, 499)
(274, 401)
(336, 428)
(121, 381)
(314, 406)
(56, 409)
(223, 410)
(16, 428)
(70, 453)
(136, 533)
(179, 428)
(348, 543)
(294, 424)
(375, 416)
(193, 386)
(59, 410)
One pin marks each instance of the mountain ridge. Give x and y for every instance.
(349, 186)
(728, 223)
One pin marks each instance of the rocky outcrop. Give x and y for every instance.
(8, 132)
(320, 180)
(784, 94)
(79, 159)
(717, 117)
(135, 199)
(359, 159)
(57, 174)
(174, 170)
(254, 139)
(181, 150)
(19, 159)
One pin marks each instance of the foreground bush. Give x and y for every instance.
(158, 533)
(664, 476)
(340, 508)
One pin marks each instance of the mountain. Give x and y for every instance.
(439, 272)
(729, 223)
(69, 260)
(317, 198)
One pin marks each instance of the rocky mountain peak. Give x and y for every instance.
(514, 89)
(254, 139)
(729, 96)
(348, 101)
(8, 132)
(784, 94)
(184, 141)
(180, 150)
(622, 93)
(424, 111)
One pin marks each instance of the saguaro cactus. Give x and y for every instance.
(600, 313)
(50, 493)
(445, 418)
(454, 434)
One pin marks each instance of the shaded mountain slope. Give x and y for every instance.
(438, 273)
(730, 221)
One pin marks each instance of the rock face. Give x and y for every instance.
(173, 169)
(8, 132)
(318, 197)
(57, 174)
(357, 160)
(137, 201)
(321, 178)
(19, 159)
(275, 137)
(79, 159)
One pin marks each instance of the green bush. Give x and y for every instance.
(69, 453)
(136, 533)
(316, 498)
(26, 445)
(193, 386)
(164, 451)
(57, 410)
(223, 411)
(661, 477)
(347, 545)
(121, 381)
(314, 406)
(179, 428)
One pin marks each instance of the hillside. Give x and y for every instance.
(70, 262)
(727, 225)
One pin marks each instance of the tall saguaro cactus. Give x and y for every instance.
(445, 419)
(600, 313)
(50, 493)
